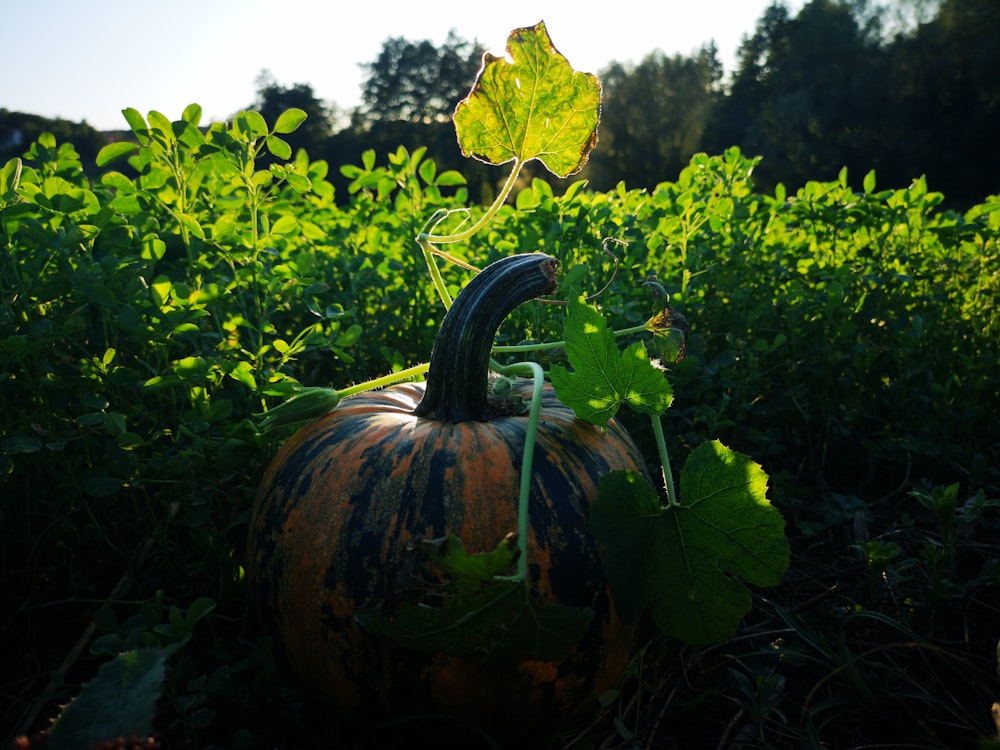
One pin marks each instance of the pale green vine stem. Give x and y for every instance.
(439, 286)
(427, 239)
(524, 494)
(549, 345)
(312, 403)
(668, 474)
(485, 219)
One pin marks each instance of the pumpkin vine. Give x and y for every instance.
(720, 504)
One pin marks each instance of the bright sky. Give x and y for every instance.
(89, 59)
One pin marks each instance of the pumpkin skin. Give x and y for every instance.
(347, 498)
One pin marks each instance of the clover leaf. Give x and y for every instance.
(533, 106)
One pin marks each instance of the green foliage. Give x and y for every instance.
(143, 320)
(843, 335)
(119, 702)
(603, 378)
(685, 560)
(464, 606)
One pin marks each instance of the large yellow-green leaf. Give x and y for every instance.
(532, 106)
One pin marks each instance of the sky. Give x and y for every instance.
(89, 59)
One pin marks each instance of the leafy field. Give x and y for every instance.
(843, 334)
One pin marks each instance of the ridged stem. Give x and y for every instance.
(460, 362)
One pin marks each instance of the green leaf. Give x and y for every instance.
(457, 605)
(603, 377)
(20, 444)
(449, 178)
(153, 248)
(278, 147)
(192, 114)
(289, 120)
(160, 123)
(191, 224)
(137, 123)
(869, 182)
(687, 561)
(298, 183)
(286, 224)
(532, 107)
(625, 519)
(10, 176)
(199, 608)
(102, 486)
(243, 373)
(251, 124)
(119, 702)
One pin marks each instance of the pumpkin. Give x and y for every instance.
(349, 502)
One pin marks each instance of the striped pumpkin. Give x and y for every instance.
(349, 498)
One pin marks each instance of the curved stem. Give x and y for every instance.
(483, 220)
(460, 362)
(520, 348)
(524, 495)
(439, 286)
(426, 239)
(668, 474)
(311, 403)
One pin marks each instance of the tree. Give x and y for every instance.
(809, 94)
(738, 120)
(273, 99)
(19, 130)
(654, 117)
(408, 97)
(946, 97)
(418, 82)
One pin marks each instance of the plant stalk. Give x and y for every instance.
(668, 474)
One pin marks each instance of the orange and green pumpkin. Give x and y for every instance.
(349, 503)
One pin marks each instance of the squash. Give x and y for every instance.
(348, 504)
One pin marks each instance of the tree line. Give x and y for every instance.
(906, 87)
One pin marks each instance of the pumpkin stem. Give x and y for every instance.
(460, 362)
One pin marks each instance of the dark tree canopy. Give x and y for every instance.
(653, 117)
(418, 82)
(904, 87)
(804, 90)
(19, 130)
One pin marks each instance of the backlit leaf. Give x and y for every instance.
(114, 151)
(192, 114)
(689, 562)
(251, 124)
(137, 123)
(533, 106)
(10, 176)
(289, 120)
(278, 147)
